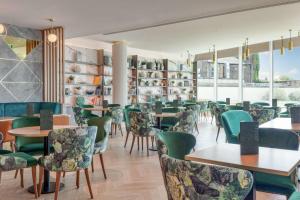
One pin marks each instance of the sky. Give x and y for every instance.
(287, 64)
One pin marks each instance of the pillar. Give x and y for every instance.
(120, 79)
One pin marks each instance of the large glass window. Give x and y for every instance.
(205, 80)
(287, 76)
(256, 77)
(228, 79)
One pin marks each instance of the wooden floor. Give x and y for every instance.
(135, 177)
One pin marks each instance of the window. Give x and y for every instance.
(205, 80)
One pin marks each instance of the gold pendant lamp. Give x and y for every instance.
(282, 47)
(290, 44)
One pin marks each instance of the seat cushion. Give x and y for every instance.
(31, 161)
(3, 151)
(275, 184)
(32, 149)
(295, 196)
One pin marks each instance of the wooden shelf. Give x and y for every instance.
(79, 73)
(81, 62)
(152, 78)
(84, 95)
(151, 70)
(82, 84)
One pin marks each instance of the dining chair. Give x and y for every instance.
(186, 123)
(80, 119)
(117, 119)
(295, 196)
(211, 106)
(261, 103)
(219, 110)
(141, 126)
(103, 125)
(262, 115)
(195, 109)
(126, 112)
(286, 113)
(190, 180)
(178, 144)
(87, 113)
(231, 121)
(73, 151)
(10, 161)
(167, 122)
(280, 139)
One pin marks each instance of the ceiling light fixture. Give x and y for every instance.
(282, 46)
(290, 45)
(246, 49)
(3, 30)
(213, 54)
(52, 37)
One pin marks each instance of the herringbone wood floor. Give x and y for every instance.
(135, 177)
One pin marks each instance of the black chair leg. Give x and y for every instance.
(218, 133)
(127, 134)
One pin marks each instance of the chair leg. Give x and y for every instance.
(142, 143)
(152, 141)
(115, 125)
(64, 174)
(57, 185)
(86, 171)
(41, 175)
(196, 125)
(102, 164)
(133, 138)
(12, 146)
(0, 176)
(120, 127)
(218, 133)
(127, 134)
(92, 164)
(147, 141)
(33, 169)
(138, 141)
(16, 173)
(77, 178)
(111, 129)
(22, 177)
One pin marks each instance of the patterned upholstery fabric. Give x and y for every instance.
(262, 115)
(73, 149)
(141, 123)
(101, 146)
(212, 106)
(186, 123)
(218, 113)
(9, 162)
(117, 115)
(146, 107)
(187, 180)
(80, 119)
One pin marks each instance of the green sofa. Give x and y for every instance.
(18, 109)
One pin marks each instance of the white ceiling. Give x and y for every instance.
(90, 17)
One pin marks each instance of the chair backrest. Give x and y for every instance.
(261, 103)
(26, 122)
(170, 110)
(278, 138)
(262, 115)
(232, 107)
(189, 180)
(73, 147)
(86, 113)
(103, 125)
(231, 122)
(116, 115)
(178, 144)
(186, 122)
(140, 122)
(80, 119)
(113, 105)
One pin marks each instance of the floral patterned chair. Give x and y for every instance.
(195, 109)
(117, 119)
(194, 181)
(73, 150)
(141, 126)
(203, 109)
(17, 161)
(103, 125)
(262, 115)
(186, 123)
(211, 106)
(80, 119)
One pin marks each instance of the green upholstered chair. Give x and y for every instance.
(280, 139)
(195, 108)
(80, 119)
(231, 122)
(103, 125)
(295, 196)
(221, 102)
(186, 123)
(261, 103)
(32, 146)
(286, 113)
(203, 109)
(168, 122)
(178, 144)
(87, 113)
(141, 126)
(127, 121)
(234, 107)
(73, 151)
(211, 106)
(219, 110)
(190, 180)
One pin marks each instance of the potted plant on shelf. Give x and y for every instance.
(155, 82)
(172, 83)
(179, 75)
(70, 79)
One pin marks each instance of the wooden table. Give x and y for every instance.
(35, 132)
(281, 123)
(97, 109)
(269, 160)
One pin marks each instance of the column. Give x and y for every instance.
(241, 74)
(216, 77)
(271, 72)
(120, 79)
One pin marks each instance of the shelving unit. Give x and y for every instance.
(86, 75)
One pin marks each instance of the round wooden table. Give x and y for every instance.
(35, 132)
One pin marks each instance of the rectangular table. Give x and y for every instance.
(281, 123)
(269, 160)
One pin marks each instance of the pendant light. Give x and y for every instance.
(52, 37)
(214, 54)
(282, 46)
(247, 50)
(290, 44)
(3, 30)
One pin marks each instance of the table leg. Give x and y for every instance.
(252, 193)
(48, 187)
(158, 122)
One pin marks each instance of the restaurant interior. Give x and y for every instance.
(150, 100)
